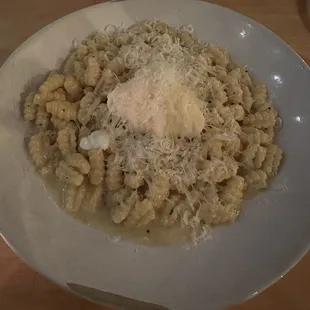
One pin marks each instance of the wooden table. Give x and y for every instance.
(23, 289)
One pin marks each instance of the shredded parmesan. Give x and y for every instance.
(156, 100)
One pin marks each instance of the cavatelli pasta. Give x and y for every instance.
(248, 155)
(142, 214)
(237, 111)
(52, 83)
(256, 179)
(121, 211)
(37, 149)
(159, 188)
(66, 140)
(68, 174)
(233, 192)
(79, 162)
(260, 97)
(175, 181)
(133, 180)
(259, 157)
(97, 164)
(42, 98)
(42, 118)
(114, 175)
(74, 197)
(73, 88)
(92, 72)
(88, 105)
(30, 108)
(171, 211)
(272, 160)
(79, 72)
(93, 198)
(247, 98)
(251, 135)
(58, 123)
(62, 109)
(50, 167)
(262, 119)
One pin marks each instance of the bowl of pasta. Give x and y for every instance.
(153, 155)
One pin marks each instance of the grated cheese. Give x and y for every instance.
(156, 100)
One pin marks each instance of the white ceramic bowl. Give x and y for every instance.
(273, 232)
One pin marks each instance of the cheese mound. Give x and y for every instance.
(157, 100)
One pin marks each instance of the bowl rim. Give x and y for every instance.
(298, 257)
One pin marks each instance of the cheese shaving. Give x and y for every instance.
(156, 100)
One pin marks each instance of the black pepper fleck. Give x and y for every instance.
(148, 231)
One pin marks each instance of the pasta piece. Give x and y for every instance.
(93, 198)
(67, 140)
(107, 82)
(92, 72)
(102, 40)
(97, 164)
(159, 189)
(237, 111)
(37, 149)
(92, 46)
(79, 162)
(62, 109)
(247, 97)
(220, 55)
(73, 87)
(142, 214)
(216, 171)
(68, 65)
(58, 123)
(218, 213)
(215, 150)
(248, 155)
(117, 66)
(42, 118)
(233, 192)
(74, 197)
(242, 75)
(88, 89)
(30, 108)
(52, 83)
(233, 90)
(88, 105)
(232, 145)
(114, 175)
(69, 175)
(42, 98)
(133, 180)
(52, 136)
(269, 133)
(120, 212)
(272, 160)
(260, 98)
(256, 179)
(79, 72)
(171, 211)
(259, 157)
(69, 201)
(50, 167)
(251, 135)
(120, 195)
(262, 119)
(81, 52)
